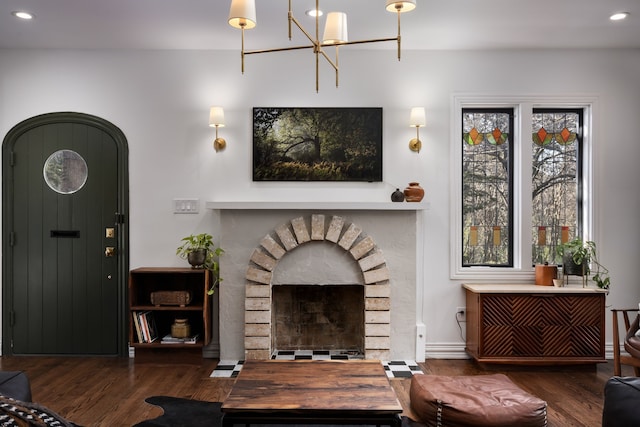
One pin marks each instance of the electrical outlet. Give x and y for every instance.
(461, 314)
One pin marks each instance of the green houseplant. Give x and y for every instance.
(200, 251)
(581, 258)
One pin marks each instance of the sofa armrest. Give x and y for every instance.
(15, 384)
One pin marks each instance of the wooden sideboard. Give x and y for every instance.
(535, 325)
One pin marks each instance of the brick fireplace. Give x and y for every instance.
(258, 330)
(320, 253)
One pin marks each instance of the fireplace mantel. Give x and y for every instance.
(361, 206)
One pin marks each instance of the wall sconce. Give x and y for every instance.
(216, 119)
(416, 120)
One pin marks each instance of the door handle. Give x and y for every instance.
(109, 251)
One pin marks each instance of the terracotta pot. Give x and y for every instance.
(545, 274)
(413, 193)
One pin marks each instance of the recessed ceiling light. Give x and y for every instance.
(314, 12)
(619, 16)
(23, 15)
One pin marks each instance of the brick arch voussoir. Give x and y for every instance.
(289, 236)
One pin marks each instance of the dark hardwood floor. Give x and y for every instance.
(111, 391)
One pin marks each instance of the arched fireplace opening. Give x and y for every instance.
(319, 318)
(310, 313)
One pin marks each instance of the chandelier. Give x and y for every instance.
(242, 15)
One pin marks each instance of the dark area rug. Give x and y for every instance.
(180, 412)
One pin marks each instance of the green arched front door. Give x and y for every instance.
(65, 206)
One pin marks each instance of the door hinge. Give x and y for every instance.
(12, 238)
(119, 219)
(12, 318)
(12, 158)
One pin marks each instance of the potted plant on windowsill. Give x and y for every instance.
(580, 258)
(200, 251)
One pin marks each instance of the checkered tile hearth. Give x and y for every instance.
(394, 369)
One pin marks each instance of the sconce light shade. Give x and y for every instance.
(335, 29)
(417, 118)
(216, 117)
(401, 5)
(242, 14)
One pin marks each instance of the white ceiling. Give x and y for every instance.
(434, 24)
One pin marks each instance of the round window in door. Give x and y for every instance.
(65, 171)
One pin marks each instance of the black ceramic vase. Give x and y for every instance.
(397, 196)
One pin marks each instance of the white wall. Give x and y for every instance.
(160, 100)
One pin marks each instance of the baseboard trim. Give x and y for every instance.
(456, 351)
(431, 351)
(445, 351)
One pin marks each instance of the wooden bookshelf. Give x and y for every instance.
(142, 282)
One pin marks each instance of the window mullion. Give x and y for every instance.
(524, 188)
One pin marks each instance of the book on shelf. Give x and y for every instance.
(168, 339)
(146, 328)
(150, 322)
(136, 323)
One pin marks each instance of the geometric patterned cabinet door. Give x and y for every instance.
(540, 326)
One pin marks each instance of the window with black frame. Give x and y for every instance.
(488, 176)
(556, 180)
(487, 187)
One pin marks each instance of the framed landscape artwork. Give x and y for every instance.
(317, 144)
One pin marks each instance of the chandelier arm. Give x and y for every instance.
(317, 41)
(311, 39)
(399, 49)
(242, 52)
(333, 64)
(337, 65)
(282, 49)
(277, 49)
(317, 49)
(387, 39)
(290, 16)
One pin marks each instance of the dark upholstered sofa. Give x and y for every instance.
(15, 384)
(621, 398)
(16, 407)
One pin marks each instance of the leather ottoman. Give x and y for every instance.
(479, 400)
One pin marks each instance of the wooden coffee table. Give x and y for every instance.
(312, 392)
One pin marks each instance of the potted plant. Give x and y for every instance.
(580, 258)
(200, 251)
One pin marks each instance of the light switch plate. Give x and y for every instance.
(186, 206)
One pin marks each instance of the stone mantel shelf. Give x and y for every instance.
(360, 206)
